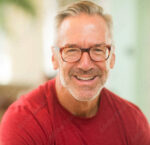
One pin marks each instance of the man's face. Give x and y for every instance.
(83, 79)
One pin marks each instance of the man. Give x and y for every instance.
(75, 108)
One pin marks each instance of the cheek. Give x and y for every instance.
(65, 68)
(103, 66)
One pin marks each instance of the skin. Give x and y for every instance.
(81, 97)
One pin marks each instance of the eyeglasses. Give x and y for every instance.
(97, 53)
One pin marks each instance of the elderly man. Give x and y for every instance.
(75, 108)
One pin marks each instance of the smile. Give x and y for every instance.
(85, 78)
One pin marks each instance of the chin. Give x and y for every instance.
(84, 95)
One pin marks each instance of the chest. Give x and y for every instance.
(69, 132)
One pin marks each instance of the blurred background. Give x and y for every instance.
(26, 36)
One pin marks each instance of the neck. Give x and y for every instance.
(85, 109)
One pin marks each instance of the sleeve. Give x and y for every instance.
(20, 126)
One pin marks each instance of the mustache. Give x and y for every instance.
(94, 72)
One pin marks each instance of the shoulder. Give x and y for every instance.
(119, 102)
(27, 115)
(123, 105)
(131, 117)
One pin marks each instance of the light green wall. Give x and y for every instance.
(143, 56)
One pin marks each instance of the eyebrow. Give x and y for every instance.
(71, 45)
(75, 45)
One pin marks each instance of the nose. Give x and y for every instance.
(85, 62)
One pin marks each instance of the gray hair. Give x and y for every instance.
(77, 8)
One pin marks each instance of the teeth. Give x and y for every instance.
(85, 79)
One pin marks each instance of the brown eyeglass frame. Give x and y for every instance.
(84, 50)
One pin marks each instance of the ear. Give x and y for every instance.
(55, 59)
(112, 61)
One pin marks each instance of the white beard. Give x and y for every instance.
(75, 93)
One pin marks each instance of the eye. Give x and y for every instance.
(98, 50)
(71, 50)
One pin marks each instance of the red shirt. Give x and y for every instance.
(38, 119)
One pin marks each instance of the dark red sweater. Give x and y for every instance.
(38, 119)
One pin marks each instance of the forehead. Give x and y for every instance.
(82, 29)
